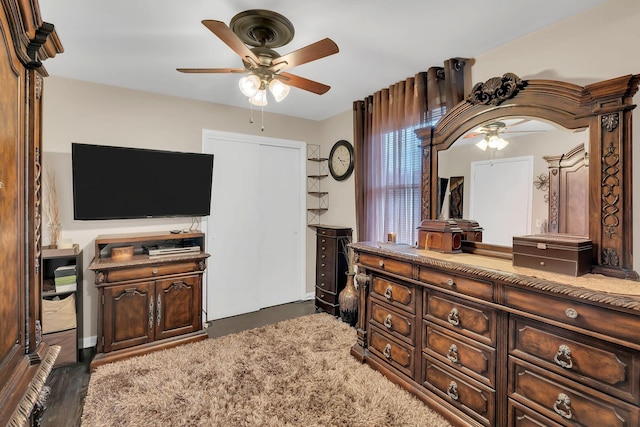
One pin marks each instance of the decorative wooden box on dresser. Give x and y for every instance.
(487, 343)
(147, 302)
(331, 266)
(25, 359)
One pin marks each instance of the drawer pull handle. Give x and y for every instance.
(564, 401)
(387, 322)
(452, 354)
(154, 271)
(571, 313)
(563, 357)
(381, 264)
(322, 274)
(454, 317)
(450, 282)
(322, 285)
(323, 248)
(387, 293)
(452, 390)
(387, 351)
(323, 264)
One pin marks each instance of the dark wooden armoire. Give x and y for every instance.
(25, 360)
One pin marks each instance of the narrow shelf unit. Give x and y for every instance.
(318, 169)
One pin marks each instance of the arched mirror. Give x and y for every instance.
(548, 125)
(499, 175)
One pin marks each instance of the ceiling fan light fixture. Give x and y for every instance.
(279, 90)
(496, 142)
(249, 85)
(259, 99)
(482, 144)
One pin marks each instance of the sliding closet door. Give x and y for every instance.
(255, 231)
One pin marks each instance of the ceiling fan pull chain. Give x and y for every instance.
(262, 118)
(250, 113)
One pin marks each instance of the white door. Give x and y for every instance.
(501, 196)
(254, 232)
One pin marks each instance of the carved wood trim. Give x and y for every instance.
(616, 300)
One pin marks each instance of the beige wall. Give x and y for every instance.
(590, 47)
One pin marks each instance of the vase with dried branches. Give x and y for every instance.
(51, 210)
(348, 298)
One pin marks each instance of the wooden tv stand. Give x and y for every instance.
(147, 303)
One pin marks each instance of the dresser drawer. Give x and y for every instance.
(149, 271)
(398, 354)
(607, 322)
(460, 284)
(563, 401)
(329, 297)
(398, 295)
(607, 367)
(469, 357)
(472, 397)
(400, 325)
(521, 416)
(472, 320)
(326, 275)
(389, 265)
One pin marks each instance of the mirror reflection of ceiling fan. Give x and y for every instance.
(252, 35)
(492, 135)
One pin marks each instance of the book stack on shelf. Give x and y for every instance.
(65, 278)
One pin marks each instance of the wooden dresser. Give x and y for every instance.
(331, 266)
(489, 344)
(147, 302)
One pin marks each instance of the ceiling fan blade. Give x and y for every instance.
(211, 70)
(302, 83)
(317, 50)
(225, 34)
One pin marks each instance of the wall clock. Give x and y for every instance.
(341, 160)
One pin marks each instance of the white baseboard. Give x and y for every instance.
(309, 296)
(88, 342)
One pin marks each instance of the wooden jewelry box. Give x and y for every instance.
(471, 230)
(557, 253)
(440, 235)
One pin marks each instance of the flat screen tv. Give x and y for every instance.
(123, 183)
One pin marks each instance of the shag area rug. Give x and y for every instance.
(294, 373)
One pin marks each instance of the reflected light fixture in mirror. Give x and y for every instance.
(492, 141)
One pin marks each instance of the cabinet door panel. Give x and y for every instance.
(128, 315)
(177, 306)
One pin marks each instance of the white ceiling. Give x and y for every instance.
(138, 44)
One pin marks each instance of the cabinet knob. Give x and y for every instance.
(450, 282)
(454, 317)
(381, 263)
(387, 322)
(452, 390)
(563, 357)
(571, 313)
(323, 248)
(387, 351)
(452, 354)
(322, 285)
(562, 406)
(154, 271)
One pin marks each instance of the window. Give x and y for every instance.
(401, 195)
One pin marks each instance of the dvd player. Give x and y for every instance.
(173, 251)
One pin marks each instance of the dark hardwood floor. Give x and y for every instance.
(69, 383)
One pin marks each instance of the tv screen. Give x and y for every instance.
(121, 183)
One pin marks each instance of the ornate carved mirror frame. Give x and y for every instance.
(605, 108)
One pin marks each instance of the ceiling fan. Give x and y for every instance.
(252, 35)
(490, 134)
